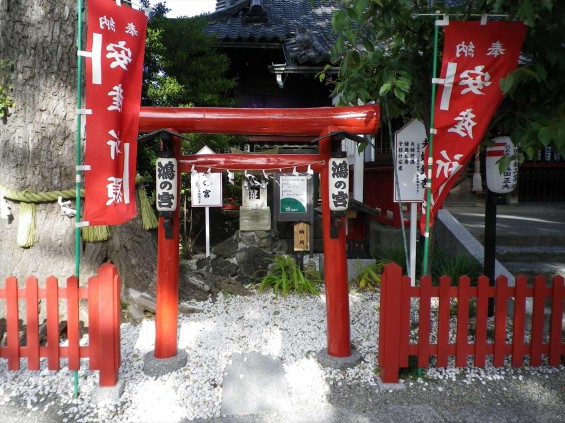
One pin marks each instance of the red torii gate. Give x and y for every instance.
(312, 122)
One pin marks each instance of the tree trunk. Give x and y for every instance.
(38, 149)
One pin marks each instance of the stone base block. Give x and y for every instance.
(255, 219)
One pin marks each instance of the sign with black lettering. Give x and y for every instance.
(301, 237)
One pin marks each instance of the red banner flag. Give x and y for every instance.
(475, 58)
(115, 46)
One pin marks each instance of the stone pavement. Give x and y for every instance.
(530, 237)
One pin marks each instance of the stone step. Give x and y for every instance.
(544, 240)
(533, 269)
(529, 254)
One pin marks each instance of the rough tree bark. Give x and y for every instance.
(37, 145)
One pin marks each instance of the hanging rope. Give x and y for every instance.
(27, 229)
(26, 196)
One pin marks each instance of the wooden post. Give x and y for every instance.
(335, 270)
(109, 324)
(392, 278)
(166, 314)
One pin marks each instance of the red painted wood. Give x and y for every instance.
(405, 304)
(93, 324)
(335, 272)
(481, 322)
(166, 315)
(12, 329)
(555, 329)
(52, 288)
(32, 322)
(389, 372)
(117, 321)
(537, 321)
(519, 320)
(462, 321)
(425, 322)
(268, 162)
(443, 321)
(291, 121)
(108, 375)
(500, 312)
(73, 323)
(392, 321)
(383, 314)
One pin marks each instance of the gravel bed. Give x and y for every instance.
(292, 328)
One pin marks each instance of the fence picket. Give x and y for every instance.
(73, 323)
(556, 321)
(481, 321)
(382, 320)
(443, 321)
(518, 325)
(425, 322)
(93, 324)
(393, 279)
(537, 322)
(32, 319)
(12, 323)
(52, 297)
(500, 321)
(462, 321)
(405, 305)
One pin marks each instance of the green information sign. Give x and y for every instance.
(293, 194)
(292, 205)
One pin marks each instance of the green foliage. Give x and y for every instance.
(442, 264)
(369, 277)
(6, 99)
(182, 68)
(384, 53)
(454, 267)
(384, 50)
(285, 276)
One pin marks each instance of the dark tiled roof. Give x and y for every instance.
(305, 31)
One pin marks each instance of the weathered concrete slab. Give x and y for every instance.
(254, 383)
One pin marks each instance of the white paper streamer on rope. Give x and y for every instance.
(65, 207)
(231, 177)
(5, 211)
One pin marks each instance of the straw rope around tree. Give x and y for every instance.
(26, 229)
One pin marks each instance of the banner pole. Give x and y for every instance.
(78, 161)
(430, 156)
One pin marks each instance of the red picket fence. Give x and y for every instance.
(395, 345)
(103, 350)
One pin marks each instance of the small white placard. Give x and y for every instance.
(409, 145)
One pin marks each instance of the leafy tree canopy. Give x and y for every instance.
(182, 68)
(385, 52)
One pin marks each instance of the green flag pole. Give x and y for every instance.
(430, 155)
(78, 161)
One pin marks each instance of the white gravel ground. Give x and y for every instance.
(292, 328)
